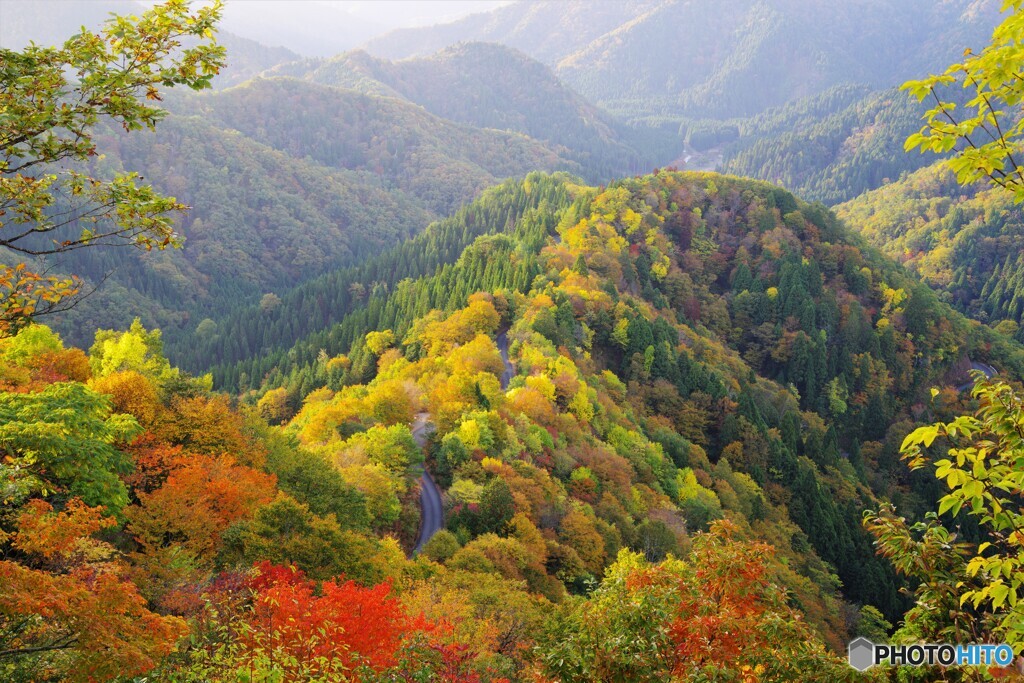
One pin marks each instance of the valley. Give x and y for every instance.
(561, 341)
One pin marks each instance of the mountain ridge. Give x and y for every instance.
(490, 86)
(795, 48)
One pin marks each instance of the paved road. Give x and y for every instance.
(980, 367)
(431, 510)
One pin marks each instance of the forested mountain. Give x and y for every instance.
(447, 384)
(722, 59)
(335, 309)
(701, 366)
(716, 274)
(964, 242)
(491, 86)
(441, 163)
(261, 220)
(289, 180)
(362, 297)
(830, 147)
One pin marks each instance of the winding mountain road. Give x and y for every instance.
(431, 508)
(989, 371)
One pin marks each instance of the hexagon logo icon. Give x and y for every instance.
(862, 654)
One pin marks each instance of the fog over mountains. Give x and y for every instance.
(720, 59)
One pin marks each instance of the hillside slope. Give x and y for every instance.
(260, 220)
(710, 382)
(490, 86)
(294, 194)
(440, 162)
(830, 147)
(643, 464)
(718, 60)
(333, 310)
(963, 241)
(723, 310)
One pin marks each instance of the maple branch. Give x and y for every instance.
(66, 645)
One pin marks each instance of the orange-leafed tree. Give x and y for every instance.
(154, 461)
(66, 610)
(178, 526)
(718, 616)
(131, 393)
(285, 626)
(197, 502)
(62, 365)
(209, 425)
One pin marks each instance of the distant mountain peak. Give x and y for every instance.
(489, 85)
(726, 59)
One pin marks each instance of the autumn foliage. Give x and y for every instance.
(68, 597)
(340, 625)
(717, 616)
(626, 495)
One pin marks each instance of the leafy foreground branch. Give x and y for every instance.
(986, 135)
(968, 592)
(52, 99)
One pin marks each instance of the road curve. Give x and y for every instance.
(431, 510)
(432, 518)
(989, 371)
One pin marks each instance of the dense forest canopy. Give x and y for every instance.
(447, 365)
(963, 241)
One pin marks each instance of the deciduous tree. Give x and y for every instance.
(983, 474)
(52, 99)
(985, 136)
(66, 610)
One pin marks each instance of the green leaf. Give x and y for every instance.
(946, 503)
(998, 593)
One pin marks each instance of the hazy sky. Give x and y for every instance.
(402, 13)
(327, 27)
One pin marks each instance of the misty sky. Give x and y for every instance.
(326, 27)
(402, 13)
(322, 28)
